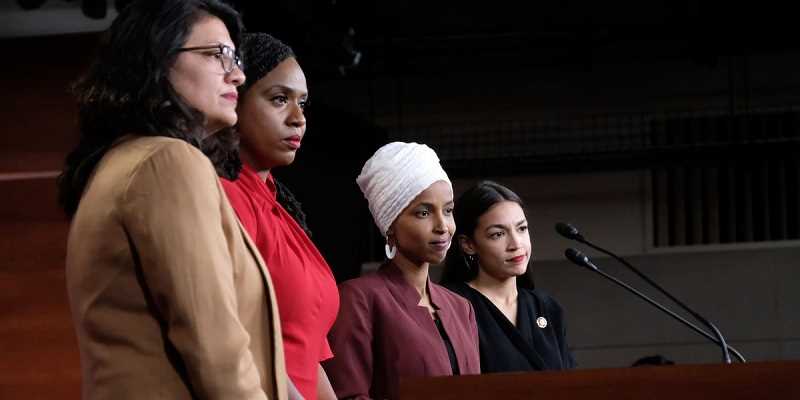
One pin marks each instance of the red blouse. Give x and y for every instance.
(304, 285)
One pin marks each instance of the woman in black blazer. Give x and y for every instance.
(519, 328)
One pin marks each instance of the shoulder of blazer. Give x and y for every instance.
(367, 285)
(150, 146)
(146, 149)
(549, 306)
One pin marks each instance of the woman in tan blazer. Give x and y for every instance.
(169, 297)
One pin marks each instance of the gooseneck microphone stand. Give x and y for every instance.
(572, 233)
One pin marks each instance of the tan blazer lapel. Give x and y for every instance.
(275, 322)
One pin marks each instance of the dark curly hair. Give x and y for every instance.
(126, 89)
(261, 53)
(469, 207)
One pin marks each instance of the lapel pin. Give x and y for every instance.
(541, 322)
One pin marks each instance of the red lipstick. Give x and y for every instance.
(516, 260)
(232, 96)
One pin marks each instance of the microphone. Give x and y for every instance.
(571, 232)
(582, 260)
(568, 231)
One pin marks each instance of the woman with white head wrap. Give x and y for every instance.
(395, 322)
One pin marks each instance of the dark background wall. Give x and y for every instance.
(588, 110)
(40, 355)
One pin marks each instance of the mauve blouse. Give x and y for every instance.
(382, 334)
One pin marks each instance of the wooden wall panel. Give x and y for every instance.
(40, 354)
(40, 358)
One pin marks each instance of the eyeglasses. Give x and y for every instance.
(227, 56)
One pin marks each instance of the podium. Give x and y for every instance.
(752, 381)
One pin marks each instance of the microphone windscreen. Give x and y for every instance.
(566, 230)
(575, 256)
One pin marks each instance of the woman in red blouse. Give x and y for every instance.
(271, 127)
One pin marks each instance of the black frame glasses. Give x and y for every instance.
(227, 56)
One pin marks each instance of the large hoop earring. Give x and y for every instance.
(389, 250)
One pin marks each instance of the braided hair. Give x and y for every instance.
(286, 198)
(261, 53)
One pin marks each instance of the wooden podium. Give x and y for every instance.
(752, 381)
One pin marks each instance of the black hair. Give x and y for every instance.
(222, 148)
(126, 89)
(656, 359)
(286, 198)
(261, 53)
(469, 207)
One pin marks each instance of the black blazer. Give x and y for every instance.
(537, 342)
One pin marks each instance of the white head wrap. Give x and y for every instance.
(396, 174)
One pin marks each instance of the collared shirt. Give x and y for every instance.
(304, 285)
